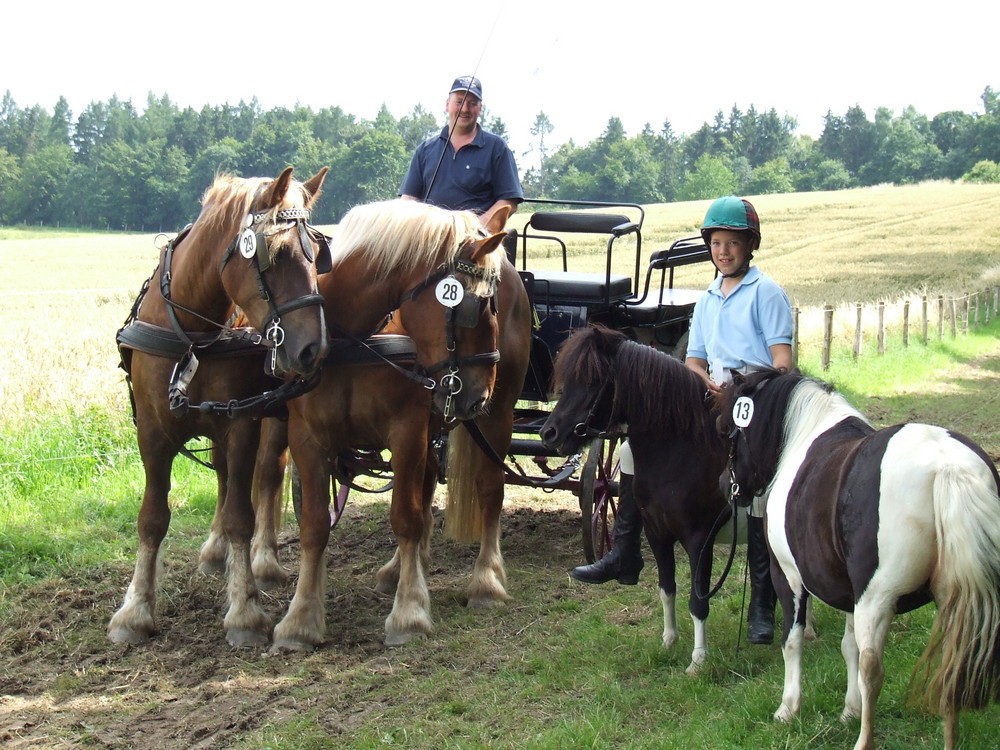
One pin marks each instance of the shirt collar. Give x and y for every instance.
(751, 277)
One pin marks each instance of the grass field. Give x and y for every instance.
(562, 665)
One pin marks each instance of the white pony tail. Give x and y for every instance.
(961, 666)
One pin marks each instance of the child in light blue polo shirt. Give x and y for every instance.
(743, 320)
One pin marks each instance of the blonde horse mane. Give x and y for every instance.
(229, 199)
(399, 236)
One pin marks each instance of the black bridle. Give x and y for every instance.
(464, 315)
(252, 243)
(585, 429)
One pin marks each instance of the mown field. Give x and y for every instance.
(562, 664)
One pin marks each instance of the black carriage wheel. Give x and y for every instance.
(598, 487)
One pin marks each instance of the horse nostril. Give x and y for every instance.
(547, 434)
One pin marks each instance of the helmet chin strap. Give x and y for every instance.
(741, 271)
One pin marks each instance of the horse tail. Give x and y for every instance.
(463, 517)
(961, 666)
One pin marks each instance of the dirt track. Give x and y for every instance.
(63, 684)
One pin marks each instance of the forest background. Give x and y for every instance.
(117, 167)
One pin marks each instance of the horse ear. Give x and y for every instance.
(275, 192)
(738, 378)
(315, 185)
(498, 220)
(486, 246)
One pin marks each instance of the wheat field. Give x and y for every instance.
(64, 294)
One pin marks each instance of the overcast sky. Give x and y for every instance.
(644, 62)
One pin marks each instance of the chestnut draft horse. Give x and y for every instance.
(605, 381)
(250, 246)
(872, 522)
(397, 255)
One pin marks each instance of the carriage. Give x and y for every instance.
(643, 302)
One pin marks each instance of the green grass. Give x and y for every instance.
(70, 487)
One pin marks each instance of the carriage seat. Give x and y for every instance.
(666, 305)
(660, 309)
(589, 289)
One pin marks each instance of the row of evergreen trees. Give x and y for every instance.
(115, 167)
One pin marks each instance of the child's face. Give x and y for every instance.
(729, 250)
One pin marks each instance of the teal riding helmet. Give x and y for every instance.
(732, 213)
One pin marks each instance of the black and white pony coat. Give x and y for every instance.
(873, 522)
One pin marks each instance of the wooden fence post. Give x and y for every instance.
(925, 320)
(795, 334)
(827, 334)
(940, 317)
(951, 307)
(906, 324)
(857, 334)
(881, 328)
(986, 307)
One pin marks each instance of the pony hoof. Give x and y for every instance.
(849, 714)
(783, 715)
(239, 638)
(692, 670)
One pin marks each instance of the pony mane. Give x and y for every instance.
(652, 390)
(814, 405)
(789, 409)
(400, 236)
(657, 390)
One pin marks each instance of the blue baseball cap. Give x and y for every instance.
(468, 83)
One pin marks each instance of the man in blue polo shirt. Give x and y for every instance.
(464, 167)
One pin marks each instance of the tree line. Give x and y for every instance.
(115, 167)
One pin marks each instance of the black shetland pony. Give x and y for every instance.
(605, 381)
(873, 522)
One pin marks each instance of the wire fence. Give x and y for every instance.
(874, 327)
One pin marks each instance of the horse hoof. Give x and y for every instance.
(386, 587)
(401, 639)
(271, 580)
(484, 602)
(284, 647)
(239, 638)
(127, 636)
(212, 567)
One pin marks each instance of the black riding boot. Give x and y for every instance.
(624, 561)
(762, 598)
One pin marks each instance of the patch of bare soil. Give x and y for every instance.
(63, 684)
